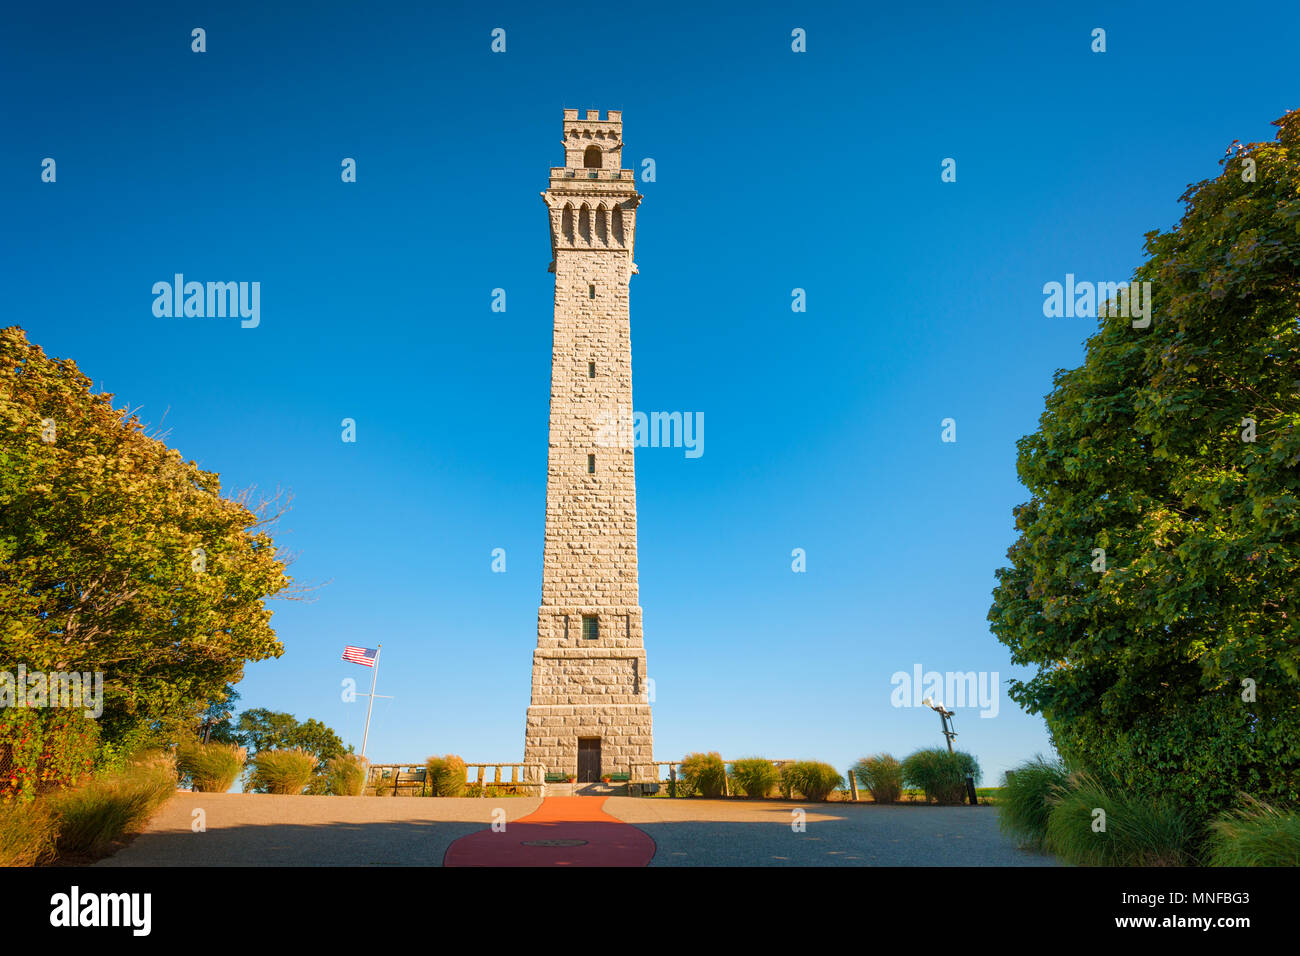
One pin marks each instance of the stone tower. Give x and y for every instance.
(590, 711)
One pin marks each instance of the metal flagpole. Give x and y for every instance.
(373, 678)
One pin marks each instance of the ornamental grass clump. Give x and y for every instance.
(1024, 807)
(942, 775)
(811, 778)
(286, 771)
(1254, 834)
(112, 805)
(753, 777)
(445, 775)
(703, 773)
(28, 831)
(1092, 823)
(882, 775)
(211, 767)
(345, 775)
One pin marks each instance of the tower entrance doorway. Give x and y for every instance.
(588, 759)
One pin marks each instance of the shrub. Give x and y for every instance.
(381, 786)
(1023, 805)
(1255, 834)
(111, 805)
(282, 771)
(704, 773)
(940, 774)
(211, 767)
(43, 749)
(108, 500)
(1139, 831)
(445, 775)
(345, 775)
(27, 832)
(754, 777)
(1140, 686)
(813, 779)
(1233, 749)
(881, 774)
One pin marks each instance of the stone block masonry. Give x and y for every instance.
(589, 673)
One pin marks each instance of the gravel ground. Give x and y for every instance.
(266, 830)
(694, 832)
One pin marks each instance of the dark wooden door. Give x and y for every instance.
(588, 759)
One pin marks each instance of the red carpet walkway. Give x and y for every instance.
(563, 831)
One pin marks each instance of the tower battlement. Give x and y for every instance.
(612, 116)
(592, 142)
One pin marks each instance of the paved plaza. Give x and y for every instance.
(267, 830)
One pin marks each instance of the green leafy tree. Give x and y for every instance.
(261, 729)
(216, 720)
(1174, 666)
(316, 738)
(118, 556)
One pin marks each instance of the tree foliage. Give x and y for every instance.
(261, 729)
(217, 721)
(1176, 668)
(118, 556)
(43, 749)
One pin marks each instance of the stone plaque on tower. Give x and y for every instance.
(590, 711)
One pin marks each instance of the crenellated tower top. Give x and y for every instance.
(593, 143)
(592, 200)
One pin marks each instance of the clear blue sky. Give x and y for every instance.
(775, 170)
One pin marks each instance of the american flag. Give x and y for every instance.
(364, 656)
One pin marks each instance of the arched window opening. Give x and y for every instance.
(591, 158)
(584, 223)
(618, 225)
(566, 223)
(602, 230)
